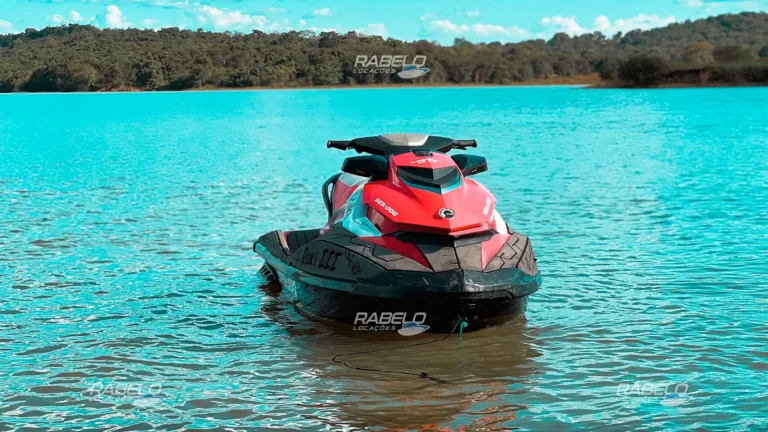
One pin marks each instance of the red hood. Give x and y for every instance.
(415, 208)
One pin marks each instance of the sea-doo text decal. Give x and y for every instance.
(389, 209)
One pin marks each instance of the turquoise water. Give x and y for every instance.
(126, 270)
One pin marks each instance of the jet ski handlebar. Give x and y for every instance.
(360, 146)
(463, 144)
(341, 145)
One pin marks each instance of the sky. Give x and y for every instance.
(441, 21)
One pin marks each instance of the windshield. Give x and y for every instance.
(439, 180)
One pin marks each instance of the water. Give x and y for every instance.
(126, 270)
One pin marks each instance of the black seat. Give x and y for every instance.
(374, 167)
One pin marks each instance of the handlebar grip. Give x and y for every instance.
(464, 143)
(341, 145)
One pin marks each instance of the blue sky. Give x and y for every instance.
(478, 20)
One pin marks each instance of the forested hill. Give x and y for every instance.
(85, 58)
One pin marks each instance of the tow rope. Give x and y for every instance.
(460, 323)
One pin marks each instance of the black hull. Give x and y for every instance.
(441, 311)
(343, 278)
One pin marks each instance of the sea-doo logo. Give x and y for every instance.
(389, 321)
(386, 64)
(423, 161)
(389, 209)
(487, 206)
(446, 213)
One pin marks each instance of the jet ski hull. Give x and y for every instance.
(440, 310)
(360, 280)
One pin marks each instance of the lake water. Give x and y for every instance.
(126, 269)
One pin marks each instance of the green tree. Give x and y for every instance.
(62, 78)
(82, 76)
(699, 53)
(732, 54)
(608, 69)
(149, 74)
(643, 70)
(85, 58)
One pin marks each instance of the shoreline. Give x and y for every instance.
(681, 85)
(587, 82)
(581, 80)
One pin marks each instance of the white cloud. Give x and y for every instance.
(302, 23)
(150, 22)
(693, 3)
(642, 22)
(74, 17)
(447, 26)
(223, 18)
(563, 24)
(497, 30)
(428, 17)
(115, 18)
(375, 29)
(603, 24)
(322, 12)
(6, 27)
(272, 10)
(167, 4)
(337, 29)
(472, 13)
(713, 7)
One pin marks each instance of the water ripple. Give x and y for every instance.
(129, 292)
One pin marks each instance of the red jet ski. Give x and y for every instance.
(410, 239)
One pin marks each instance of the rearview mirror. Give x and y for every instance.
(470, 164)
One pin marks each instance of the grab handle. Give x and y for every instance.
(463, 144)
(341, 145)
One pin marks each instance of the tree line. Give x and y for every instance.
(729, 48)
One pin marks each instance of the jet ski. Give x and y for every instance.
(410, 238)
